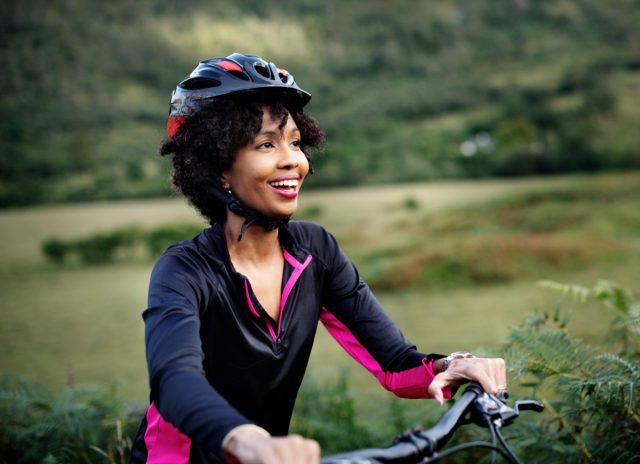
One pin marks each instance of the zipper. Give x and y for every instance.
(298, 268)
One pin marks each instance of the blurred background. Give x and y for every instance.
(474, 149)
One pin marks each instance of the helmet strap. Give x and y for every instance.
(251, 216)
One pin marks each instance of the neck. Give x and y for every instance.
(257, 244)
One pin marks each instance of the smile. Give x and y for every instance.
(286, 187)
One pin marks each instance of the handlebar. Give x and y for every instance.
(415, 445)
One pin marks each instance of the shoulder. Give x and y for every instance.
(316, 241)
(190, 268)
(309, 235)
(189, 256)
(305, 229)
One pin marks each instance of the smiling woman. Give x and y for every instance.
(232, 313)
(268, 172)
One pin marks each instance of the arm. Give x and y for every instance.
(179, 389)
(357, 321)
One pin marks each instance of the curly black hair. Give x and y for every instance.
(207, 141)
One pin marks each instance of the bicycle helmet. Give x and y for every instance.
(215, 77)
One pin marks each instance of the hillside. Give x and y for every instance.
(406, 90)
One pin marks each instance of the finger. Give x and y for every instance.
(435, 389)
(280, 451)
(312, 451)
(482, 371)
(496, 371)
(267, 455)
(502, 372)
(293, 449)
(302, 450)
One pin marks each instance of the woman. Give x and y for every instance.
(232, 313)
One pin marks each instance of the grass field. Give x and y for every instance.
(76, 324)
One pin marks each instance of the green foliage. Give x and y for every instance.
(55, 250)
(327, 413)
(546, 82)
(158, 239)
(625, 329)
(105, 247)
(411, 203)
(102, 247)
(593, 408)
(77, 425)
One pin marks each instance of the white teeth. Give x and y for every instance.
(292, 183)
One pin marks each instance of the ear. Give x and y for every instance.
(224, 182)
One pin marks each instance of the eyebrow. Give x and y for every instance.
(272, 133)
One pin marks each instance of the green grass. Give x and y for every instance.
(74, 324)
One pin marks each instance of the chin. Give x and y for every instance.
(283, 213)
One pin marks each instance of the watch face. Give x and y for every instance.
(445, 364)
(455, 355)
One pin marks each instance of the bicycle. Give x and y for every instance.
(424, 446)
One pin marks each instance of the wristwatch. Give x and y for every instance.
(454, 355)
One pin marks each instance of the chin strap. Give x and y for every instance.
(251, 215)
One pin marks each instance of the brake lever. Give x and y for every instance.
(494, 408)
(529, 405)
(491, 407)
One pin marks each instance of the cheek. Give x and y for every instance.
(305, 166)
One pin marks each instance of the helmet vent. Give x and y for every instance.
(239, 74)
(198, 83)
(262, 69)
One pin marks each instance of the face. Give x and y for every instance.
(267, 174)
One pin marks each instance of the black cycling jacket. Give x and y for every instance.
(217, 360)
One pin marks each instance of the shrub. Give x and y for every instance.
(157, 240)
(593, 408)
(77, 425)
(101, 248)
(327, 413)
(105, 247)
(411, 203)
(55, 250)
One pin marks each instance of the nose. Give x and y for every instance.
(290, 158)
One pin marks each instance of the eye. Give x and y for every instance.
(296, 143)
(265, 145)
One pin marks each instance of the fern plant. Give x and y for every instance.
(76, 425)
(592, 398)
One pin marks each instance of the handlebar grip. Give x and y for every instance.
(441, 433)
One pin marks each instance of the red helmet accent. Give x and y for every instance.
(173, 124)
(229, 65)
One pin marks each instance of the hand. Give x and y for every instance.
(249, 447)
(490, 373)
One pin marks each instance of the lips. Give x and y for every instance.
(286, 186)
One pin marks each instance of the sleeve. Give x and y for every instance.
(179, 389)
(357, 321)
